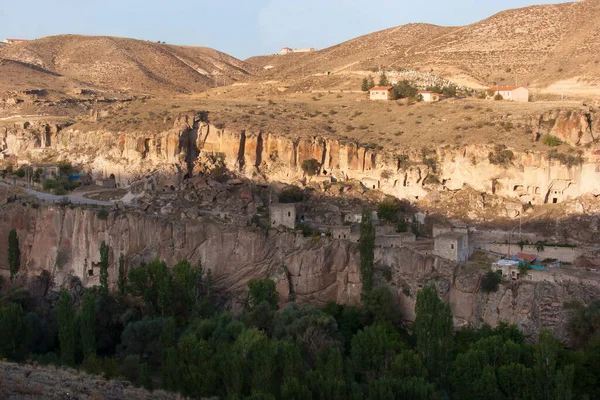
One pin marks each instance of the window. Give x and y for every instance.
(452, 246)
(289, 214)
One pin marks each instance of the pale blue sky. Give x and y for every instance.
(241, 28)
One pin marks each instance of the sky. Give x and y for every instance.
(242, 28)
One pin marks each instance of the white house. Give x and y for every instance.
(381, 93)
(511, 93)
(286, 50)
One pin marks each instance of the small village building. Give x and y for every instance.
(308, 50)
(48, 171)
(428, 96)
(453, 246)
(452, 226)
(342, 232)
(396, 240)
(13, 41)
(286, 50)
(370, 183)
(508, 269)
(381, 93)
(511, 93)
(283, 214)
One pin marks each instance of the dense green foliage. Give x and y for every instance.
(388, 209)
(163, 330)
(367, 252)
(383, 80)
(404, 89)
(14, 253)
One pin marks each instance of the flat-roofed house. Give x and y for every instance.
(381, 93)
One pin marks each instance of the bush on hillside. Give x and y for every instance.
(490, 282)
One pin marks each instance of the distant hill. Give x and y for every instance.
(541, 46)
(124, 64)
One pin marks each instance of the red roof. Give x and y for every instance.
(527, 257)
(381, 88)
(504, 88)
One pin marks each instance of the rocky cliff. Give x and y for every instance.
(192, 145)
(65, 241)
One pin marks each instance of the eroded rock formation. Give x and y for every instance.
(65, 242)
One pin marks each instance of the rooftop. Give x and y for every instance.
(451, 235)
(376, 88)
(505, 88)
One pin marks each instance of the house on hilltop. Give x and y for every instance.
(13, 41)
(381, 93)
(511, 93)
(286, 50)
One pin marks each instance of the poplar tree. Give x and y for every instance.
(88, 325)
(66, 328)
(383, 80)
(121, 279)
(367, 253)
(14, 253)
(104, 268)
(434, 331)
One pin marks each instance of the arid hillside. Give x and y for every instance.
(549, 46)
(120, 64)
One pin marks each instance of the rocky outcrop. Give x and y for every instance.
(65, 242)
(193, 145)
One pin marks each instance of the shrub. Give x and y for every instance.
(102, 213)
(219, 174)
(501, 156)
(292, 194)
(490, 282)
(386, 174)
(552, 141)
(388, 209)
(498, 97)
(310, 167)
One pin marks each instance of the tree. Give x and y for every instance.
(490, 281)
(371, 82)
(104, 268)
(122, 285)
(87, 324)
(14, 333)
(374, 350)
(404, 89)
(310, 167)
(383, 80)
(365, 85)
(433, 329)
(14, 253)
(262, 291)
(388, 209)
(145, 378)
(367, 253)
(66, 328)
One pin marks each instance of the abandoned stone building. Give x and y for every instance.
(283, 214)
(394, 240)
(341, 232)
(453, 246)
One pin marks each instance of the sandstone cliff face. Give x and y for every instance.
(180, 151)
(66, 242)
